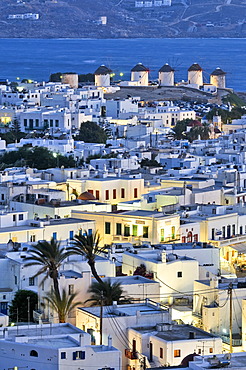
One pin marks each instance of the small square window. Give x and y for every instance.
(71, 289)
(21, 217)
(179, 274)
(211, 350)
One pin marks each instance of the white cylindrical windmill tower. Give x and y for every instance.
(217, 78)
(72, 79)
(166, 75)
(195, 75)
(102, 76)
(140, 74)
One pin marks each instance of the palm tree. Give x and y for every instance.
(106, 293)
(62, 303)
(49, 255)
(87, 245)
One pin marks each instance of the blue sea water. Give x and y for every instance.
(38, 58)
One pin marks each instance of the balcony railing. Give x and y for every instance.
(223, 242)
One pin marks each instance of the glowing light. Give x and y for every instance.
(17, 78)
(121, 74)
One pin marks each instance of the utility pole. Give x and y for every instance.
(101, 318)
(230, 298)
(28, 310)
(17, 320)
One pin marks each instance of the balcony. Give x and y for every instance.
(131, 355)
(224, 242)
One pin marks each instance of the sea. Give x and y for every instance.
(36, 59)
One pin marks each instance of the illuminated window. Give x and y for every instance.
(135, 192)
(177, 353)
(211, 350)
(135, 230)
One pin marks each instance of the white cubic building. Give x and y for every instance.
(54, 347)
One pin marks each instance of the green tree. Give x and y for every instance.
(62, 303)
(88, 77)
(106, 292)
(20, 302)
(36, 157)
(87, 245)
(90, 132)
(49, 256)
(179, 131)
(55, 77)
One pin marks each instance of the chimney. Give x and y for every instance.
(81, 340)
(110, 341)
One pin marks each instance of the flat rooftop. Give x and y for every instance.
(63, 342)
(125, 310)
(44, 331)
(129, 280)
(176, 332)
(237, 361)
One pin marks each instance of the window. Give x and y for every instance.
(54, 236)
(135, 192)
(79, 355)
(63, 355)
(71, 289)
(211, 350)
(31, 281)
(97, 194)
(107, 194)
(234, 230)
(14, 218)
(145, 231)
(161, 352)
(127, 231)
(25, 122)
(114, 193)
(2, 196)
(57, 123)
(21, 217)
(162, 235)
(179, 274)
(33, 353)
(71, 235)
(90, 191)
(16, 281)
(177, 353)
(33, 238)
(122, 193)
(173, 232)
(135, 230)
(118, 229)
(107, 227)
(36, 122)
(51, 122)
